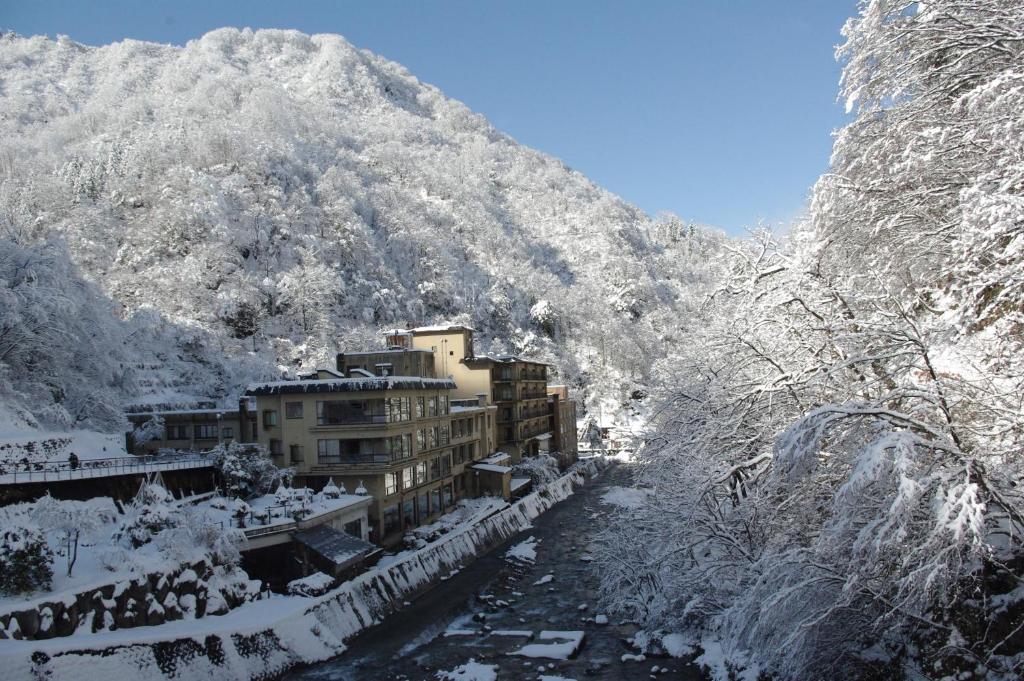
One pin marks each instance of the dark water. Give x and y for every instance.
(411, 644)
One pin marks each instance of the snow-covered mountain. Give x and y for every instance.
(253, 202)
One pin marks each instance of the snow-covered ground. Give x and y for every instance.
(100, 560)
(296, 623)
(41, 446)
(625, 497)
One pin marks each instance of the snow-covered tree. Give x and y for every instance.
(836, 456)
(26, 561)
(69, 520)
(248, 470)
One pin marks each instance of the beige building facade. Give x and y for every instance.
(399, 438)
(516, 386)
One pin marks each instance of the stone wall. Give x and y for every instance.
(191, 591)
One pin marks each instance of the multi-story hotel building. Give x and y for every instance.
(516, 386)
(399, 438)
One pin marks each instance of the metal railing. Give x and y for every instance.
(45, 471)
(361, 459)
(352, 419)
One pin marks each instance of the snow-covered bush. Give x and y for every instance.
(330, 490)
(149, 513)
(541, 469)
(316, 584)
(248, 470)
(26, 561)
(152, 429)
(195, 534)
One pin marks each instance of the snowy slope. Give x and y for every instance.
(271, 198)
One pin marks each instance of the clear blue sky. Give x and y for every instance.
(720, 111)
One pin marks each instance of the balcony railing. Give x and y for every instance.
(358, 459)
(351, 419)
(532, 394)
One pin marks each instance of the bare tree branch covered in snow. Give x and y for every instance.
(837, 461)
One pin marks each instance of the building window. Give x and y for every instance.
(275, 448)
(407, 478)
(419, 407)
(424, 507)
(421, 472)
(206, 432)
(269, 418)
(401, 446)
(460, 454)
(435, 468)
(354, 528)
(296, 454)
(392, 520)
(390, 484)
(435, 499)
(341, 412)
(446, 465)
(444, 405)
(293, 410)
(397, 409)
(421, 439)
(177, 433)
(471, 451)
(431, 437)
(446, 492)
(227, 432)
(409, 513)
(442, 438)
(385, 369)
(432, 406)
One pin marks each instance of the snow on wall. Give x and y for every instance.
(292, 630)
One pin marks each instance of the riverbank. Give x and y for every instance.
(497, 611)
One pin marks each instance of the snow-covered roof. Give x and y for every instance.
(181, 412)
(491, 468)
(438, 328)
(519, 483)
(462, 410)
(337, 547)
(388, 351)
(497, 458)
(333, 385)
(505, 359)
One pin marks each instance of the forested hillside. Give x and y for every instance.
(836, 471)
(254, 202)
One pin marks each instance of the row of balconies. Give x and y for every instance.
(504, 375)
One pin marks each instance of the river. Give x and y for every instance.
(497, 605)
